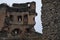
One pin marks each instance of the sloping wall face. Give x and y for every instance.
(51, 19)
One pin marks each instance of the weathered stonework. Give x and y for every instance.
(17, 22)
(51, 19)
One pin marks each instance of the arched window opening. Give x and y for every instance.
(25, 19)
(11, 17)
(19, 18)
(16, 32)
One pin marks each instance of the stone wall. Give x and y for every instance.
(51, 19)
(17, 22)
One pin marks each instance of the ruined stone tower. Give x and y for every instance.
(51, 19)
(17, 22)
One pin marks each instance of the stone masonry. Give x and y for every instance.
(51, 19)
(17, 22)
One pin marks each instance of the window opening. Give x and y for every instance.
(19, 18)
(25, 19)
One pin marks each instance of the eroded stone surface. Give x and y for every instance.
(51, 19)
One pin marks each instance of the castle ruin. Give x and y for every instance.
(17, 22)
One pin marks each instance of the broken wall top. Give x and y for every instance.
(22, 7)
